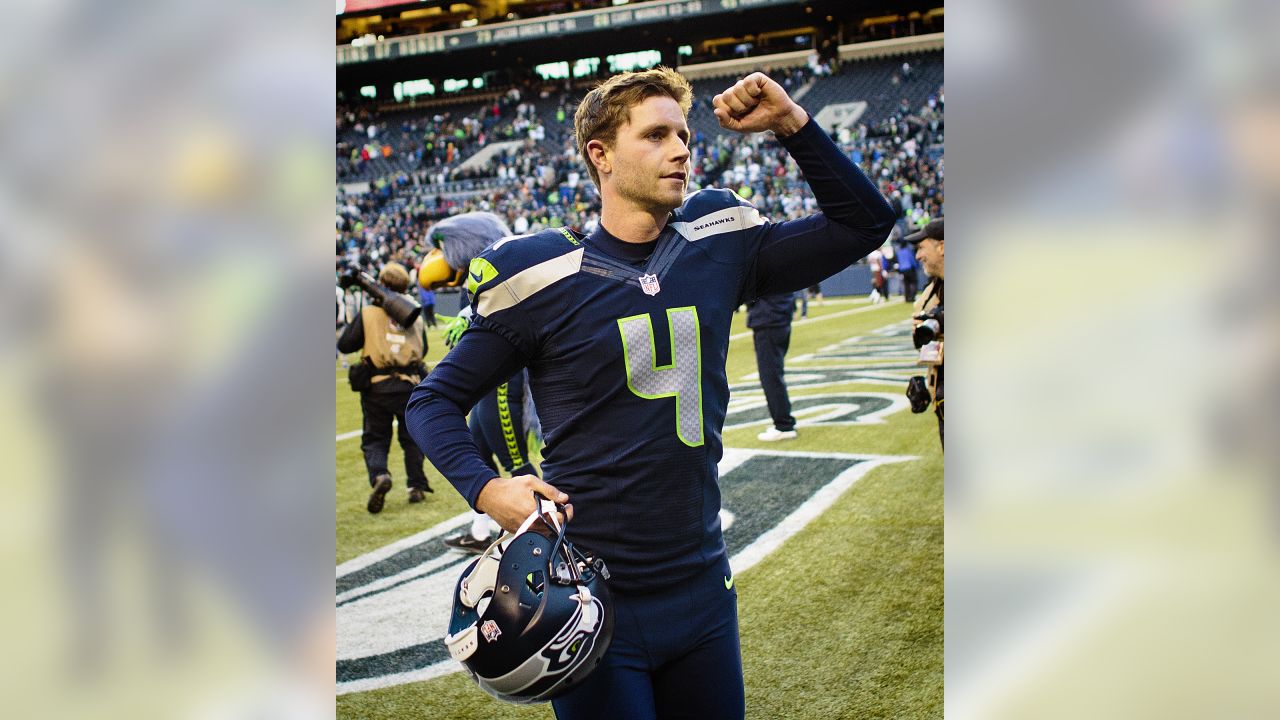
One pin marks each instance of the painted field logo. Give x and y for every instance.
(882, 357)
(895, 374)
(851, 408)
(891, 342)
(393, 604)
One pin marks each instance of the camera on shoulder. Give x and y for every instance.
(400, 308)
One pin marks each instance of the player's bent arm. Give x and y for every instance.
(436, 413)
(855, 218)
(844, 193)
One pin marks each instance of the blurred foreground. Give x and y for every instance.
(166, 356)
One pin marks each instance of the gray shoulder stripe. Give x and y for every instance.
(527, 282)
(729, 219)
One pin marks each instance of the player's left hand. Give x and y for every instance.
(757, 103)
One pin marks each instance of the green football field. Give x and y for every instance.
(841, 607)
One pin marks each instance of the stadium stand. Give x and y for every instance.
(541, 181)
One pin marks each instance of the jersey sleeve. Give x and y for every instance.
(854, 220)
(436, 413)
(516, 286)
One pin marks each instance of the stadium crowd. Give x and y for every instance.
(542, 182)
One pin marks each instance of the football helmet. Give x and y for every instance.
(532, 615)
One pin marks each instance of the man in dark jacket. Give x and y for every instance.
(769, 318)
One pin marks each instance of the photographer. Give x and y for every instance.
(390, 367)
(927, 323)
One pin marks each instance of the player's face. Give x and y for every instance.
(929, 253)
(651, 155)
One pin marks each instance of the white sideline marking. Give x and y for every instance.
(811, 508)
(386, 551)
(808, 320)
(395, 428)
(379, 623)
(426, 673)
(447, 558)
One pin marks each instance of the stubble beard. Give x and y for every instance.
(647, 195)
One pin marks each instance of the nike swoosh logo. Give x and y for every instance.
(477, 278)
(728, 583)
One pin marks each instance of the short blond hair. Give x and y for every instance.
(607, 107)
(395, 277)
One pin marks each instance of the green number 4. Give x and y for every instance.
(682, 379)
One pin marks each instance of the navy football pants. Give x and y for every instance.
(771, 352)
(675, 654)
(497, 427)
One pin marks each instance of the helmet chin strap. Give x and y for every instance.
(546, 510)
(478, 584)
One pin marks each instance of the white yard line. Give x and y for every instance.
(386, 551)
(378, 623)
(806, 321)
(812, 508)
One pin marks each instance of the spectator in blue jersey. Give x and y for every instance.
(428, 301)
(907, 265)
(769, 318)
(625, 333)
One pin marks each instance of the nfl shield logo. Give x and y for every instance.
(490, 630)
(649, 284)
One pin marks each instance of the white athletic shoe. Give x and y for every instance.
(774, 434)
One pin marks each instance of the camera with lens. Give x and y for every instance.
(401, 309)
(918, 394)
(930, 327)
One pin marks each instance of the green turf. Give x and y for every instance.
(357, 531)
(844, 620)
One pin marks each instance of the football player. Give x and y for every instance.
(625, 333)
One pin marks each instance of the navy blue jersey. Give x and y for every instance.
(626, 346)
